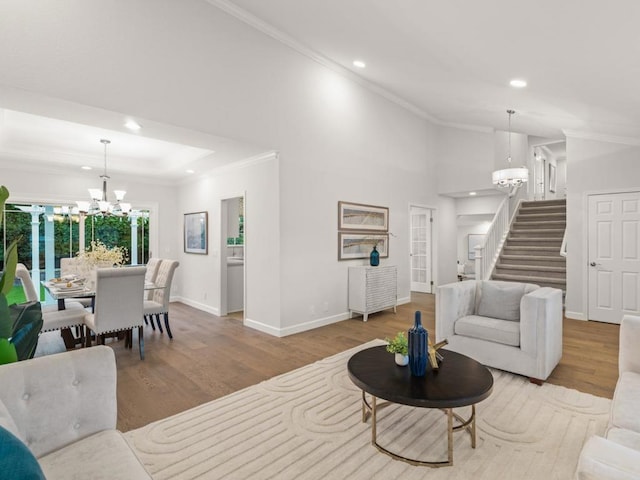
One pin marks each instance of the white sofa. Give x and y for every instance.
(64, 408)
(617, 455)
(511, 326)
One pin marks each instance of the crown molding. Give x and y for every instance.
(233, 166)
(631, 141)
(268, 29)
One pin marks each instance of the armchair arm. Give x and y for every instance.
(58, 399)
(541, 328)
(628, 357)
(603, 459)
(453, 301)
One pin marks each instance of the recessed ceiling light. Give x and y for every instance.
(190, 171)
(472, 193)
(86, 167)
(132, 125)
(518, 83)
(359, 64)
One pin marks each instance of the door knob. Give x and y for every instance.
(593, 264)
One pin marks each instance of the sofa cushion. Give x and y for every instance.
(16, 460)
(500, 301)
(625, 402)
(625, 437)
(490, 329)
(6, 421)
(104, 455)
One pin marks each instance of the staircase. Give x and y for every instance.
(531, 252)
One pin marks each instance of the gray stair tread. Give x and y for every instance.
(540, 258)
(535, 222)
(529, 279)
(532, 248)
(538, 231)
(535, 239)
(534, 268)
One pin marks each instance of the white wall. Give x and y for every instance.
(195, 67)
(200, 275)
(465, 160)
(447, 248)
(592, 167)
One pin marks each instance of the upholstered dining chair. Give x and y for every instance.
(152, 273)
(159, 304)
(118, 305)
(53, 319)
(68, 267)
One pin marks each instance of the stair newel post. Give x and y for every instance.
(479, 265)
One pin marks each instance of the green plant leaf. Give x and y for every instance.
(4, 195)
(6, 322)
(7, 352)
(10, 263)
(27, 323)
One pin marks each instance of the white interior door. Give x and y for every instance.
(614, 256)
(420, 252)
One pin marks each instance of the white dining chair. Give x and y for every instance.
(159, 304)
(68, 266)
(53, 319)
(153, 265)
(118, 305)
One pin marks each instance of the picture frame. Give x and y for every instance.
(474, 240)
(552, 178)
(361, 217)
(354, 245)
(196, 226)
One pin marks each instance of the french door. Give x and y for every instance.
(420, 252)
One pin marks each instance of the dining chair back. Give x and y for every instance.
(53, 318)
(152, 273)
(159, 304)
(69, 266)
(118, 304)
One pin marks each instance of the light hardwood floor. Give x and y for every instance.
(213, 356)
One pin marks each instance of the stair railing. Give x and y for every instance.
(486, 254)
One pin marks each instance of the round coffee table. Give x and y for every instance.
(459, 382)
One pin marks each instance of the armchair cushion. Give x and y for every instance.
(500, 301)
(491, 329)
(16, 460)
(625, 402)
(104, 455)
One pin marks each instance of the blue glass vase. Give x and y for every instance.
(418, 353)
(374, 257)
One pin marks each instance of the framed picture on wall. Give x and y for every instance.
(357, 216)
(552, 178)
(475, 240)
(359, 245)
(195, 232)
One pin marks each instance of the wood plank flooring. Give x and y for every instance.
(211, 356)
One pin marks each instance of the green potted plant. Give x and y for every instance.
(400, 346)
(19, 324)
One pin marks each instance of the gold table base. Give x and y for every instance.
(469, 425)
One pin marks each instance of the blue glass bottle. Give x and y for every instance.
(418, 352)
(374, 257)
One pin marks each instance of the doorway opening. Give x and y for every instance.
(232, 257)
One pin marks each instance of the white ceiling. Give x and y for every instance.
(453, 59)
(449, 61)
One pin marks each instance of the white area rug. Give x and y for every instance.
(306, 424)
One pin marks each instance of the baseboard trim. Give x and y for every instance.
(197, 305)
(575, 315)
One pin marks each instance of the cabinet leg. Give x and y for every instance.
(365, 316)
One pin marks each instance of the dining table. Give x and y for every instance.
(73, 287)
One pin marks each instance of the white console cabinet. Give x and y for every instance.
(372, 289)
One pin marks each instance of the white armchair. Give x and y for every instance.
(511, 326)
(617, 455)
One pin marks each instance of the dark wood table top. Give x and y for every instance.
(460, 380)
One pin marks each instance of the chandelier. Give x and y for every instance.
(510, 177)
(99, 205)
